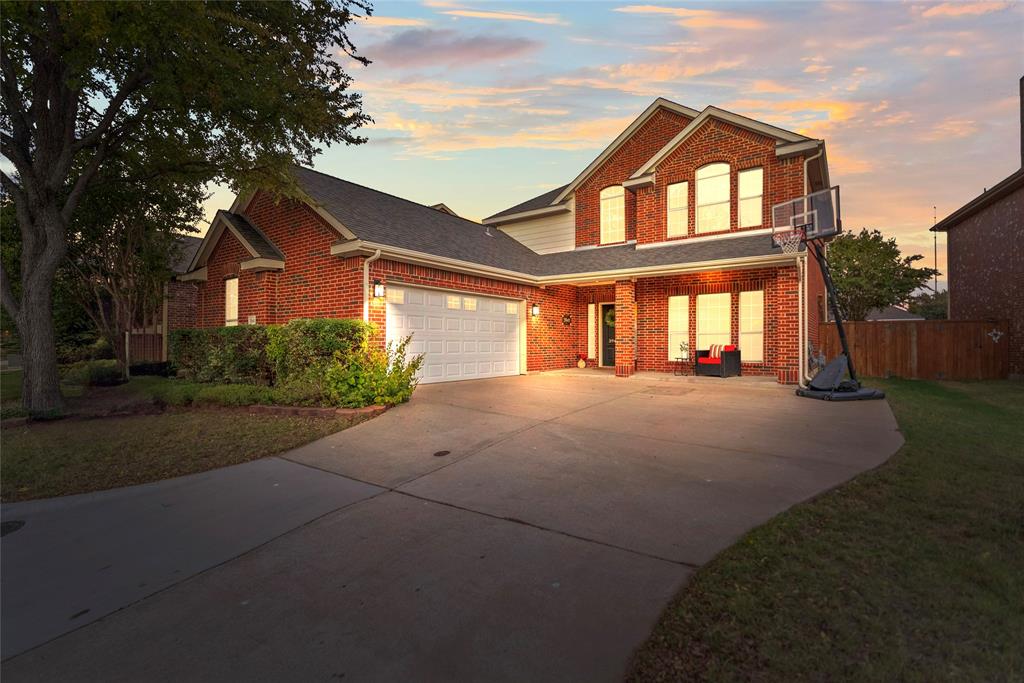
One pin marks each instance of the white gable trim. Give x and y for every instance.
(660, 103)
(721, 115)
(526, 215)
(210, 240)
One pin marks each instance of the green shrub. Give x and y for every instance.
(233, 395)
(372, 376)
(172, 392)
(303, 348)
(222, 354)
(307, 391)
(94, 373)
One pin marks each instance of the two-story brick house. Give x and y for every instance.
(663, 239)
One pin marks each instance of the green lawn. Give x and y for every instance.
(914, 571)
(58, 458)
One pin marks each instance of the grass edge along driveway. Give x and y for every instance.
(913, 571)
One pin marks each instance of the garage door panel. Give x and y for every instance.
(461, 337)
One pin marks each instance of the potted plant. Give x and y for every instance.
(684, 350)
(581, 360)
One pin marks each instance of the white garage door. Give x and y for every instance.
(461, 336)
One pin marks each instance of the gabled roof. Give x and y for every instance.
(539, 202)
(188, 245)
(252, 238)
(781, 135)
(443, 207)
(1013, 182)
(660, 103)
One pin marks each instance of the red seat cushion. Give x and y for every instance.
(730, 347)
(710, 361)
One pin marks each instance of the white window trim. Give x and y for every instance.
(681, 328)
(740, 197)
(728, 201)
(591, 330)
(684, 209)
(749, 333)
(230, 283)
(727, 339)
(608, 205)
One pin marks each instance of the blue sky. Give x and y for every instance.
(483, 104)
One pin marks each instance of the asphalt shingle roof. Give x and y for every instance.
(538, 202)
(381, 218)
(188, 247)
(254, 236)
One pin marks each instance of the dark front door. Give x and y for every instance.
(608, 334)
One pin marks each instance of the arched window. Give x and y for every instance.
(713, 198)
(613, 215)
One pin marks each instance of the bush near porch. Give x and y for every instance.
(303, 362)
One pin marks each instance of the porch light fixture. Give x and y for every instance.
(378, 289)
(535, 310)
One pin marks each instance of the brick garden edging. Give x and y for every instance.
(305, 411)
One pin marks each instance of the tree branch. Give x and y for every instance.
(134, 82)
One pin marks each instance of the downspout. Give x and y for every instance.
(366, 285)
(802, 275)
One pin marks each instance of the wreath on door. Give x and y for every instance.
(609, 318)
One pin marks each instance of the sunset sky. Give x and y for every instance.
(481, 105)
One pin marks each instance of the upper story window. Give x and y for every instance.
(751, 189)
(613, 215)
(678, 209)
(231, 302)
(713, 198)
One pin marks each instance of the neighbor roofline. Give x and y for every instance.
(364, 248)
(710, 112)
(1004, 187)
(526, 215)
(660, 103)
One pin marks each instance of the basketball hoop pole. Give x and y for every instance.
(813, 247)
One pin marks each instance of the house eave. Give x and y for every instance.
(257, 265)
(360, 247)
(634, 184)
(198, 275)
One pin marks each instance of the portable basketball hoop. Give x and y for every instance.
(808, 221)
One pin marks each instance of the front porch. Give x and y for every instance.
(658, 325)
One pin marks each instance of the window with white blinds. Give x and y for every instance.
(231, 302)
(752, 326)
(678, 326)
(613, 215)
(751, 189)
(713, 198)
(713, 315)
(678, 209)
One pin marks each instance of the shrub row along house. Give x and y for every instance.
(663, 240)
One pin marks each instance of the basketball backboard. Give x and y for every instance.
(817, 215)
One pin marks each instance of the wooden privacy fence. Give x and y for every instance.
(924, 349)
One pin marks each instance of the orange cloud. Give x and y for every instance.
(698, 18)
(963, 9)
(950, 129)
(769, 86)
(375, 21)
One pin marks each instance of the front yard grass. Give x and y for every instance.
(914, 571)
(62, 457)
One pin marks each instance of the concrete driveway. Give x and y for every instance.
(509, 529)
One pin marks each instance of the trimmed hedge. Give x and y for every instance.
(94, 373)
(230, 355)
(304, 347)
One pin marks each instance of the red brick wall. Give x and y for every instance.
(313, 284)
(644, 143)
(626, 340)
(986, 270)
(182, 305)
(716, 141)
(780, 326)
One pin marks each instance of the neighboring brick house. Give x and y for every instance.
(985, 261)
(664, 238)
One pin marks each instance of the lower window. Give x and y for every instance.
(713, 315)
(752, 326)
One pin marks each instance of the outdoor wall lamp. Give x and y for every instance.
(378, 289)
(535, 310)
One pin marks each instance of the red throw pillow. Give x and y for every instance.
(730, 347)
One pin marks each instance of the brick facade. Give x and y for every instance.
(986, 269)
(316, 284)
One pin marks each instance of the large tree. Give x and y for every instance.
(870, 272)
(226, 91)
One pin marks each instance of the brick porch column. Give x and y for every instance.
(625, 328)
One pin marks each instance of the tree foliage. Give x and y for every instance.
(870, 272)
(227, 91)
(930, 305)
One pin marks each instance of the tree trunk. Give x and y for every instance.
(40, 384)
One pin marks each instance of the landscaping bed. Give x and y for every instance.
(913, 571)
